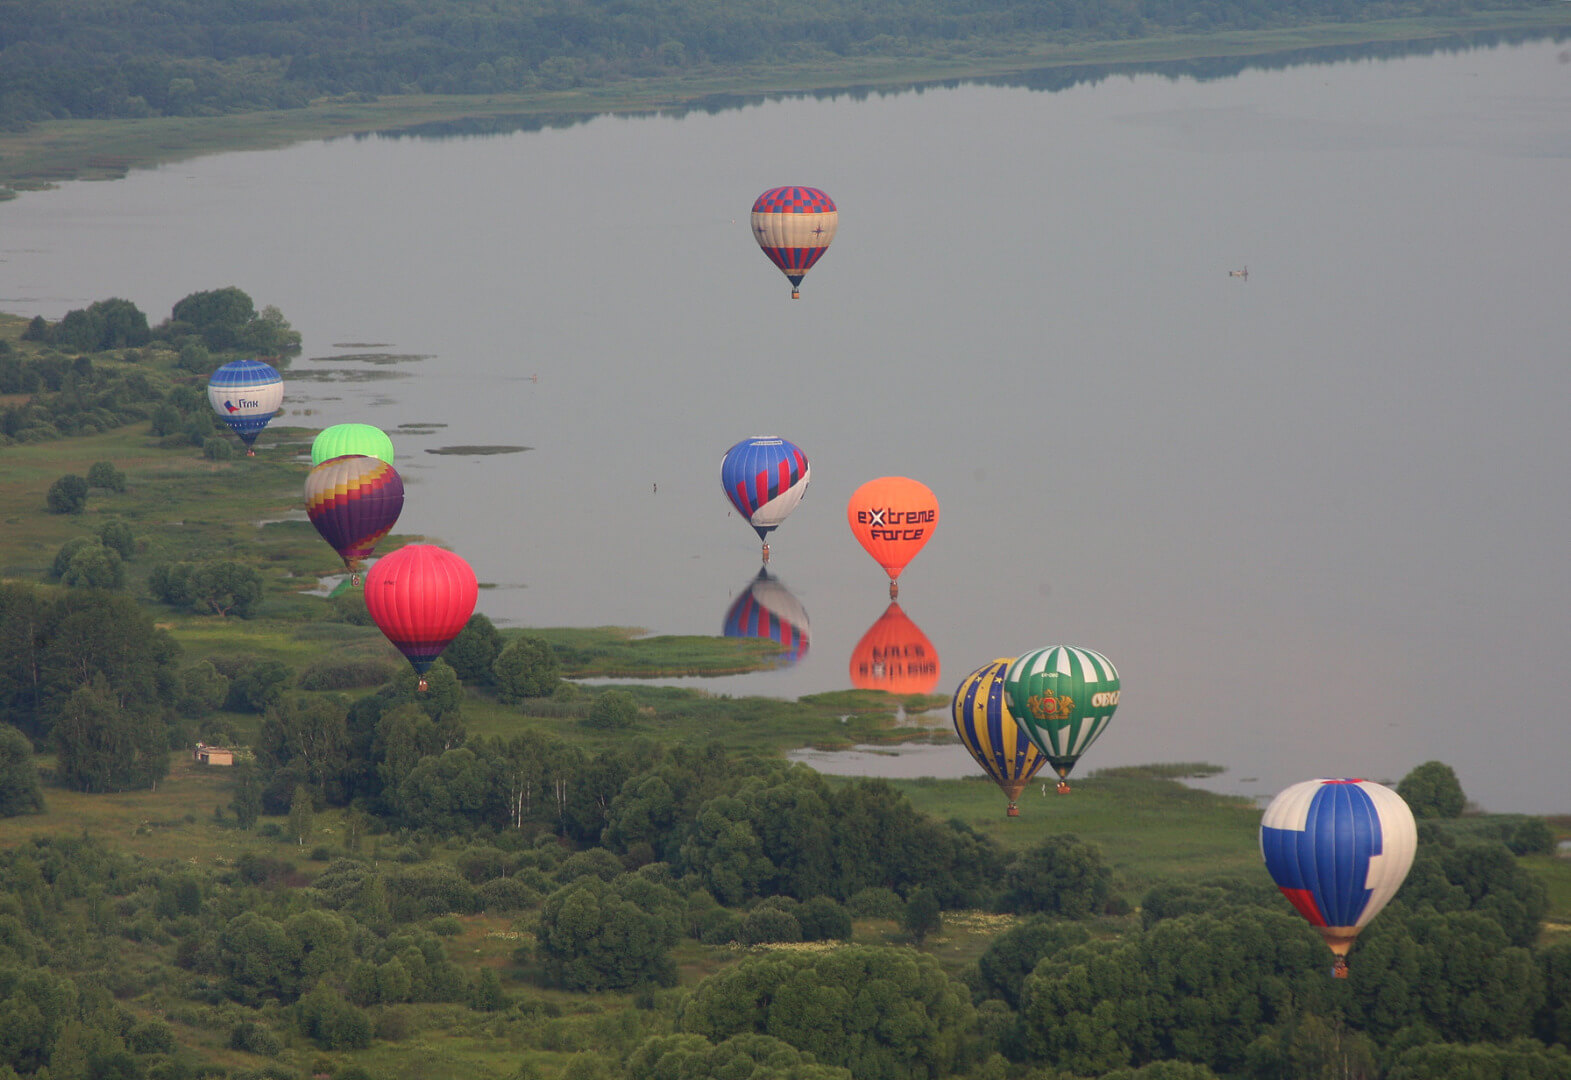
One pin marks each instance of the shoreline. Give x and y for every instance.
(54, 152)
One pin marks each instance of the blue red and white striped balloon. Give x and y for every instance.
(793, 226)
(1338, 850)
(765, 477)
(767, 609)
(246, 393)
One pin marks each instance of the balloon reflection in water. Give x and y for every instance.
(767, 609)
(895, 656)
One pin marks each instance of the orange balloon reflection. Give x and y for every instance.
(895, 656)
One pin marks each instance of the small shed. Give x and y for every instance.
(213, 755)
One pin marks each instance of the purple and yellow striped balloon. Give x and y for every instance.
(354, 501)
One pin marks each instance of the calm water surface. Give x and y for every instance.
(1317, 517)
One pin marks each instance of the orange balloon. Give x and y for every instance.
(892, 517)
(894, 655)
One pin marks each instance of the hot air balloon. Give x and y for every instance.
(767, 609)
(987, 729)
(353, 501)
(246, 393)
(341, 439)
(421, 596)
(892, 517)
(1338, 850)
(765, 477)
(794, 226)
(894, 656)
(1062, 698)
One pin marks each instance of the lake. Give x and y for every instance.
(1316, 516)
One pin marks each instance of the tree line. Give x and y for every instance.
(136, 58)
(97, 368)
(1213, 979)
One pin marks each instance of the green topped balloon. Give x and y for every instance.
(1062, 698)
(341, 439)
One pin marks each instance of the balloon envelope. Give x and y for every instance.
(1063, 698)
(341, 439)
(980, 711)
(353, 501)
(765, 477)
(246, 393)
(767, 609)
(1338, 850)
(421, 596)
(793, 226)
(892, 518)
(895, 656)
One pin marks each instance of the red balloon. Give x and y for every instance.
(421, 596)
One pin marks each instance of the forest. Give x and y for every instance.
(518, 875)
(78, 59)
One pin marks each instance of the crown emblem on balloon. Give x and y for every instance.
(1051, 707)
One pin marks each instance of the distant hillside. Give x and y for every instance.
(78, 59)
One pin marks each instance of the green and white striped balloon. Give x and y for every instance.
(1062, 697)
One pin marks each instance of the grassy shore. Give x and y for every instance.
(52, 152)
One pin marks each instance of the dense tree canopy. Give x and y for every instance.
(885, 1014)
(1433, 791)
(741, 1057)
(598, 935)
(55, 642)
(137, 58)
(19, 789)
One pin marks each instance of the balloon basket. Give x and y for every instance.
(249, 452)
(1063, 787)
(894, 590)
(1013, 811)
(422, 685)
(766, 552)
(1339, 969)
(795, 295)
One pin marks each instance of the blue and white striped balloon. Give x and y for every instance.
(246, 393)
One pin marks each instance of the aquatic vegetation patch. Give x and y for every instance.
(344, 375)
(380, 358)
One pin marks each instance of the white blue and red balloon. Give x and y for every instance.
(246, 394)
(1338, 850)
(765, 477)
